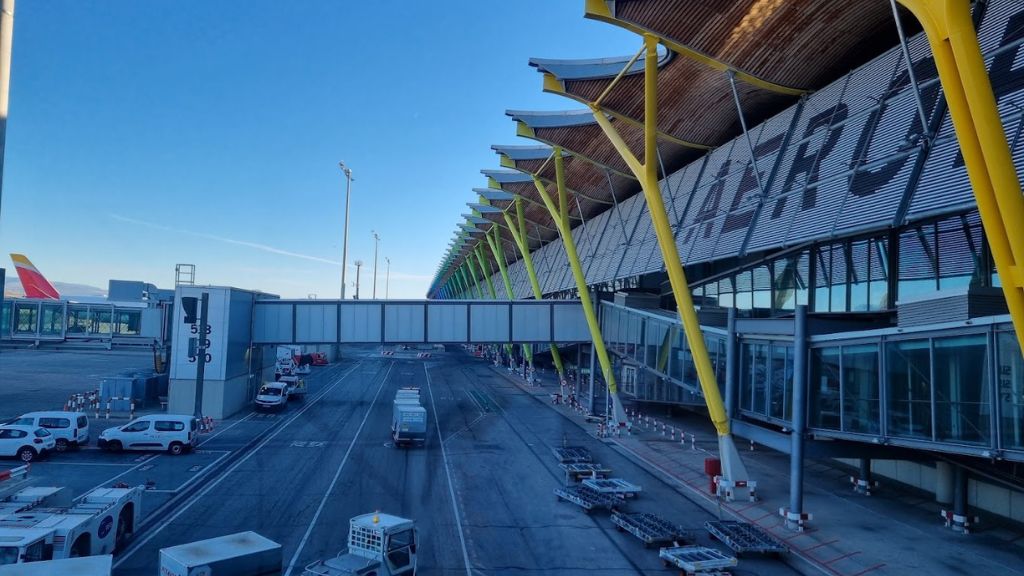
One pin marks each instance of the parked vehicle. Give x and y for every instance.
(379, 544)
(69, 429)
(241, 554)
(87, 566)
(320, 359)
(408, 418)
(175, 433)
(25, 442)
(272, 396)
(43, 523)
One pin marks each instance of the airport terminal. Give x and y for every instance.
(787, 233)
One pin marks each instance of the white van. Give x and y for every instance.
(69, 429)
(175, 433)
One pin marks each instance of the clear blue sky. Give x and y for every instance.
(146, 133)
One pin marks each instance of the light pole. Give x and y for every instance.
(344, 244)
(359, 264)
(376, 244)
(387, 278)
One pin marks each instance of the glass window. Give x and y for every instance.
(910, 388)
(719, 361)
(878, 288)
(861, 402)
(1010, 375)
(840, 277)
(5, 319)
(822, 278)
(52, 320)
(140, 426)
(83, 421)
(960, 259)
(918, 261)
(754, 377)
(726, 298)
(55, 422)
(168, 426)
(744, 290)
(780, 404)
(79, 320)
(824, 386)
(762, 279)
(658, 345)
(8, 555)
(101, 323)
(961, 389)
(26, 316)
(129, 322)
(675, 368)
(859, 275)
(42, 433)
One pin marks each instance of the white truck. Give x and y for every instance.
(45, 523)
(88, 566)
(408, 418)
(378, 545)
(272, 396)
(241, 554)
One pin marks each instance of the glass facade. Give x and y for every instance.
(1010, 386)
(824, 388)
(962, 406)
(29, 319)
(766, 379)
(910, 388)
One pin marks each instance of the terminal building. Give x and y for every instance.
(820, 194)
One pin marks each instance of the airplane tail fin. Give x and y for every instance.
(32, 280)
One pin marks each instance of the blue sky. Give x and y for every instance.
(143, 133)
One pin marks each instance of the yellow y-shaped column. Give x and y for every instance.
(560, 214)
(519, 237)
(972, 107)
(499, 257)
(476, 281)
(647, 172)
(485, 271)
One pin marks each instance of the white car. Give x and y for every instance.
(25, 442)
(272, 395)
(69, 429)
(175, 433)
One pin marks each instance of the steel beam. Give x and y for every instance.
(560, 214)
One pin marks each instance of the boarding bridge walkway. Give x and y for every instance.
(418, 321)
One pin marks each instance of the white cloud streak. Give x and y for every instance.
(395, 275)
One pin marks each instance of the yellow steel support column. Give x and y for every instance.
(560, 214)
(519, 236)
(476, 282)
(975, 115)
(499, 257)
(485, 271)
(647, 172)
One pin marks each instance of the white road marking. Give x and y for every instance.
(448, 472)
(337, 474)
(309, 404)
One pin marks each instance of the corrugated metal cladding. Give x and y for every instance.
(847, 166)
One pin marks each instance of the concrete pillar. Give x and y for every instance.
(960, 521)
(796, 516)
(863, 483)
(732, 359)
(943, 482)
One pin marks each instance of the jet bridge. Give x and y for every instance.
(418, 321)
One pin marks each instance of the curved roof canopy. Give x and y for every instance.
(771, 51)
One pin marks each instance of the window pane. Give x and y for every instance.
(960, 261)
(860, 389)
(1011, 389)
(762, 288)
(878, 289)
(822, 278)
(52, 320)
(658, 345)
(859, 273)
(917, 262)
(840, 278)
(746, 375)
(79, 321)
(910, 388)
(780, 404)
(26, 318)
(962, 406)
(761, 378)
(824, 386)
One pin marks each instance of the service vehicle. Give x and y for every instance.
(408, 418)
(378, 544)
(175, 433)
(241, 554)
(25, 442)
(69, 429)
(272, 396)
(42, 523)
(87, 566)
(320, 359)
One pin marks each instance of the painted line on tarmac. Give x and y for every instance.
(92, 464)
(226, 428)
(448, 473)
(197, 477)
(184, 508)
(337, 474)
(109, 480)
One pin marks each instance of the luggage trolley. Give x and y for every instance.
(572, 455)
(587, 498)
(613, 486)
(743, 537)
(651, 529)
(697, 559)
